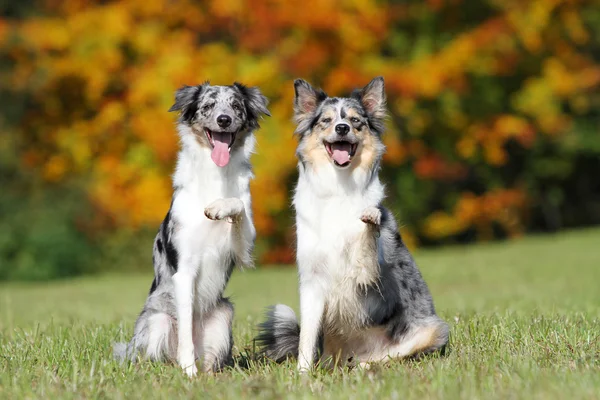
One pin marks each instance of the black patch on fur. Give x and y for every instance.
(186, 101)
(170, 250)
(255, 103)
(278, 338)
(398, 239)
(155, 283)
(343, 113)
(398, 325)
(159, 245)
(314, 121)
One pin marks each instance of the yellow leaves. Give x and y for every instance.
(156, 130)
(530, 19)
(492, 138)
(395, 152)
(441, 225)
(504, 207)
(103, 75)
(466, 147)
(55, 168)
(130, 196)
(575, 27)
(226, 9)
(149, 199)
(45, 34)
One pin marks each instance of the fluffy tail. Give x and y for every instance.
(122, 352)
(279, 335)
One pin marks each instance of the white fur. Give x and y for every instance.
(212, 208)
(330, 203)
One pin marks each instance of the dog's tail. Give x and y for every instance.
(120, 351)
(123, 352)
(279, 335)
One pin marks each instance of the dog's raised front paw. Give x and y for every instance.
(224, 208)
(371, 215)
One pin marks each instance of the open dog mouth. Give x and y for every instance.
(221, 143)
(341, 152)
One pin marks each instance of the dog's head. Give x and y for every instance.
(220, 116)
(343, 131)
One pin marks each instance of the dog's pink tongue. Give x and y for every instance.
(220, 151)
(340, 151)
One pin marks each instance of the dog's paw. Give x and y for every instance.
(371, 215)
(191, 370)
(189, 367)
(303, 370)
(224, 208)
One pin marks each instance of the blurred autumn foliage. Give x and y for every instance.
(494, 127)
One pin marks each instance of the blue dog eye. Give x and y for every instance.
(354, 120)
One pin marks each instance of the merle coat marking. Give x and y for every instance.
(206, 233)
(362, 297)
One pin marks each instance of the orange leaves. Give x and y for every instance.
(492, 137)
(129, 195)
(432, 166)
(462, 91)
(504, 207)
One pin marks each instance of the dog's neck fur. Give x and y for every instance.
(329, 182)
(196, 171)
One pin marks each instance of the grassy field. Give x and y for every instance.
(524, 317)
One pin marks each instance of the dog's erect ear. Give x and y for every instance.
(186, 101)
(373, 98)
(255, 102)
(306, 102)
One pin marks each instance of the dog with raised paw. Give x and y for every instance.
(206, 233)
(362, 297)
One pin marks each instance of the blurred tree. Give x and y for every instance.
(497, 103)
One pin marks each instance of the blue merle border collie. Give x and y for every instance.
(362, 297)
(206, 233)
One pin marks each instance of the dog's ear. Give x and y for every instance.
(373, 99)
(255, 102)
(306, 102)
(186, 101)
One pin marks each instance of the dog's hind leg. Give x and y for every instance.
(420, 339)
(154, 337)
(162, 342)
(214, 340)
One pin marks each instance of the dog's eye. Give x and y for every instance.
(236, 107)
(326, 120)
(207, 107)
(354, 120)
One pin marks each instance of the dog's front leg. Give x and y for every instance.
(183, 282)
(238, 212)
(312, 306)
(365, 255)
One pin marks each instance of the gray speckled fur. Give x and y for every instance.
(398, 301)
(155, 331)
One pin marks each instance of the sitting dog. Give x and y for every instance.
(207, 231)
(362, 297)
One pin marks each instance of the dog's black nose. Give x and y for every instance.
(342, 129)
(224, 121)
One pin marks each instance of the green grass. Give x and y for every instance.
(524, 317)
